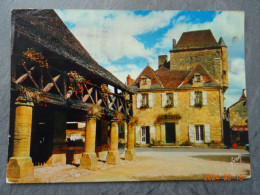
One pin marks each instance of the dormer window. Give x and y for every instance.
(197, 77)
(145, 82)
(197, 80)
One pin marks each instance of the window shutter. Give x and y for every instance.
(192, 98)
(150, 98)
(164, 98)
(152, 133)
(204, 96)
(192, 133)
(175, 99)
(138, 100)
(207, 133)
(177, 129)
(138, 134)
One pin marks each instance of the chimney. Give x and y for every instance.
(162, 60)
(173, 43)
(128, 80)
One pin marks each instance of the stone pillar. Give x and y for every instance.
(89, 157)
(130, 153)
(113, 154)
(20, 167)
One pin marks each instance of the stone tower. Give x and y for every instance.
(201, 47)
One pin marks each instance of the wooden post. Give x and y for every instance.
(89, 157)
(130, 152)
(20, 167)
(113, 154)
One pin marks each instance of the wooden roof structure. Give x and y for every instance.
(42, 31)
(45, 28)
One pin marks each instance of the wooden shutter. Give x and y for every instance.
(138, 100)
(152, 133)
(177, 130)
(192, 133)
(175, 99)
(192, 98)
(138, 134)
(204, 96)
(164, 98)
(150, 98)
(207, 133)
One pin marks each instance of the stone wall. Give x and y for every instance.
(208, 114)
(238, 114)
(210, 59)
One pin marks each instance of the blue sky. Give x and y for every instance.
(125, 41)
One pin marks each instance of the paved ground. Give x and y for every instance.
(156, 164)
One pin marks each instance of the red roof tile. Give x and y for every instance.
(149, 72)
(200, 38)
(171, 78)
(198, 68)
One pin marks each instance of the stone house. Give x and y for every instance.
(182, 102)
(238, 121)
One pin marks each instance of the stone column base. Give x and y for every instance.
(89, 161)
(130, 155)
(56, 159)
(113, 157)
(20, 170)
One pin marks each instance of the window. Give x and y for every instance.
(144, 81)
(199, 133)
(169, 99)
(198, 98)
(144, 101)
(197, 78)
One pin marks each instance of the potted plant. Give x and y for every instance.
(235, 141)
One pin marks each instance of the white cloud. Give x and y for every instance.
(228, 24)
(121, 73)
(237, 81)
(110, 35)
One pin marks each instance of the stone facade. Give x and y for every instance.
(184, 104)
(238, 121)
(190, 115)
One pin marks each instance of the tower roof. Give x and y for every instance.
(221, 42)
(200, 38)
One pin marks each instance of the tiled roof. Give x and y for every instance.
(243, 97)
(171, 78)
(149, 72)
(202, 38)
(175, 78)
(198, 68)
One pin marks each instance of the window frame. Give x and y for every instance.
(199, 133)
(198, 99)
(145, 97)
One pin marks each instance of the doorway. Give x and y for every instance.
(145, 135)
(170, 133)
